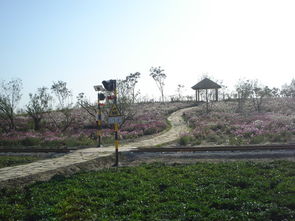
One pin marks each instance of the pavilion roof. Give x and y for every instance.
(206, 84)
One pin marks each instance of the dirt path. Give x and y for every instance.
(88, 158)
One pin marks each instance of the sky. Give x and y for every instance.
(86, 42)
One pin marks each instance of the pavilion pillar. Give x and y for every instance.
(216, 93)
(196, 95)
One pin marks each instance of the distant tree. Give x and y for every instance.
(10, 95)
(179, 91)
(86, 105)
(275, 92)
(159, 76)
(244, 90)
(39, 104)
(131, 81)
(64, 106)
(258, 94)
(288, 90)
(252, 89)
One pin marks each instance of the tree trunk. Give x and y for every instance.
(37, 122)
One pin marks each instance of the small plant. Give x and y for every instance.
(196, 142)
(8, 161)
(235, 141)
(257, 139)
(150, 130)
(212, 138)
(185, 140)
(31, 141)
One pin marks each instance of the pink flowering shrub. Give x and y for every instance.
(149, 119)
(224, 126)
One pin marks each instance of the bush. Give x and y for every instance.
(212, 138)
(236, 141)
(31, 141)
(150, 130)
(81, 141)
(277, 138)
(53, 143)
(185, 140)
(196, 142)
(257, 139)
(8, 161)
(9, 143)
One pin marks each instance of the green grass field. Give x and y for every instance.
(203, 191)
(8, 161)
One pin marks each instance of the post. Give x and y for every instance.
(116, 127)
(116, 144)
(98, 122)
(216, 93)
(207, 102)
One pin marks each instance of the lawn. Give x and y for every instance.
(8, 161)
(203, 191)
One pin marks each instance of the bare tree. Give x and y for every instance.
(131, 81)
(125, 101)
(159, 76)
(288, 90)
(258, 94)
(179, 91)
(39, 104)
(253, 90)
(244, 90)
(86, 105)
(63, 117)
(10, 95)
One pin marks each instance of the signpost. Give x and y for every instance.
(114, 116)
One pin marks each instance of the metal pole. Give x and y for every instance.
(116, 125)
(117, 144)
(98, 122)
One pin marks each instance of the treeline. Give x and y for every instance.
(56, 102)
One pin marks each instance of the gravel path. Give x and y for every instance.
(77, 160)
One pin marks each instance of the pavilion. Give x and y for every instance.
(206, 84)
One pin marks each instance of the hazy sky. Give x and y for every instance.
(84, 42)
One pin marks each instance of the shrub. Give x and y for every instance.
(9, 143)
(216, 127)
(81, 141)
(31, 141)
(150, 130)
(196, 142)
(257, 139)
(235, 141)
(53, 143)
(277, 138)
(184, 140)
(212, 138)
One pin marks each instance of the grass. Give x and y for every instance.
(203, 191)
(7, 161)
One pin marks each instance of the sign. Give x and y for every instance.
(114, 112)
(114, 120)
